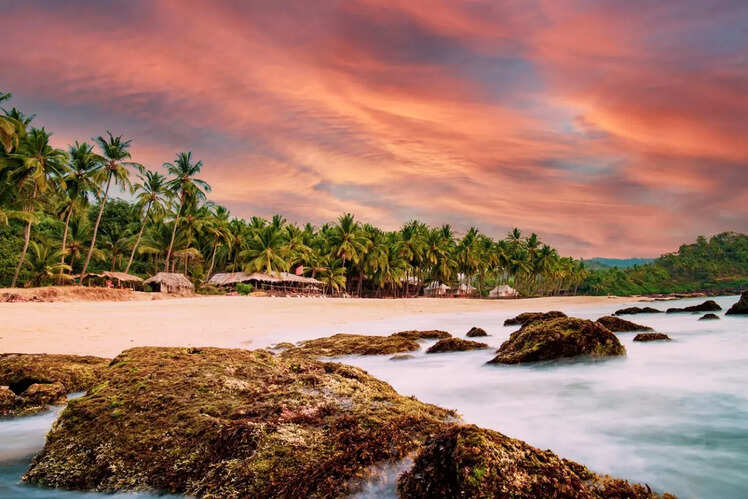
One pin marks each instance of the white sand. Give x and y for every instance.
(107, 328)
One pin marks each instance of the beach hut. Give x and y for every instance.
(435, 288)
(283, 282)
(503, 291)
(123, 280)
(170, 282)
(465, 290)
(229, 279)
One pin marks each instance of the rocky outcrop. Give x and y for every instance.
(707, 306)
(741, 307)
(476, 332)
(231, 423)
(402, 356)
(618, 325)
(529, 317)
(38, 380)
(651, 337)
(709, 317)
(455, 345)
(637, 310)
(433, 334)
(353, 344)
(558, 338)
(467, 461)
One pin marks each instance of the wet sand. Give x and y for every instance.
(106, 328)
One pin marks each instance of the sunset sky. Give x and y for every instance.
(610, 128)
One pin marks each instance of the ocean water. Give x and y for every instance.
(671, 414)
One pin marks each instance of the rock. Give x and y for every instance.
(283, 345)
(433, 334)
(741, 307)
(476, 332)
(707, 306)
(231, 423)
(527, 317)
(651, 337)
(37, 380)
(455, 345)
(637, 310)
(402, 356)
(620, 325)
(353, 344)
(558, 338)
(709, 317)
(467, 461)
(7, 401)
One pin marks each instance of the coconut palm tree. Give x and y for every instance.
(333, 274)
(151, 196)
(183, 184)
(266, 251)
(35, 167)
(11, 129)
(221, 232)
(44, 263)
(115, 151)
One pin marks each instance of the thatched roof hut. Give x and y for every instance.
(435, 288)
(233, 278)
(503, 291)
(122, 277)
(170, 282)
(466, 290)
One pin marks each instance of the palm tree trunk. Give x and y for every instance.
(26, 239)
(140, 234)
(96, 228)
(174, 232)
(212, 258)
(64, 242)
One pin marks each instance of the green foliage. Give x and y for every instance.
(243, 289)
(721, 263)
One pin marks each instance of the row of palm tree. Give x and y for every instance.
(170, 224)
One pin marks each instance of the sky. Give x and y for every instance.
(609, 128)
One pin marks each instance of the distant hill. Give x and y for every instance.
(716, 264)
(621, 263)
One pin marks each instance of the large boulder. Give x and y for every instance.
(709, 317)
(707, 306)
(651, 337)
(476, 332)
(637, 310)
(741, 306)
(38, 380)
(467, 461)
(618, 325)
(529, 317)
(353, 344)
(210, 422)
(558, 338)
(432, 334)
(455, 345)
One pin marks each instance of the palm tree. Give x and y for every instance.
(266, 251)
(151, 194)
(221, 232)
(183, 184)
(115, 152)
(36, 164)
(10, 128)
(44, 263)
(333, 274)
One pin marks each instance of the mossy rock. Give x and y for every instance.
(709, 317)
(231, 423)
(353, 344)
(455, 345)
(283, 345)
(38, 380)
(476, 332)
(558, 338)
(651, 337)
(637, 310)
(526, 318)
(432, 334)
(618, 325)
(707, 306)
(467, 461)
(741, 306)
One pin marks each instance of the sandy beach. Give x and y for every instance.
(106, 328)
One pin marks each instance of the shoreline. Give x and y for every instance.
(105, 328)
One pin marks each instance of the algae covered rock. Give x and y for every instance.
(455, 345)
(433, 334)
(476, 332)
(618, 325)
(709, 317)
(707, 306)
(467, 461)
(558, 338)
(741, 306)
(529, 317)
(651, 337)
(38, 380)
(231, 423)
(402, 356)
(637, 310)
(353, 344)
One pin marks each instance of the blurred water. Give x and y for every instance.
(672, 414)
